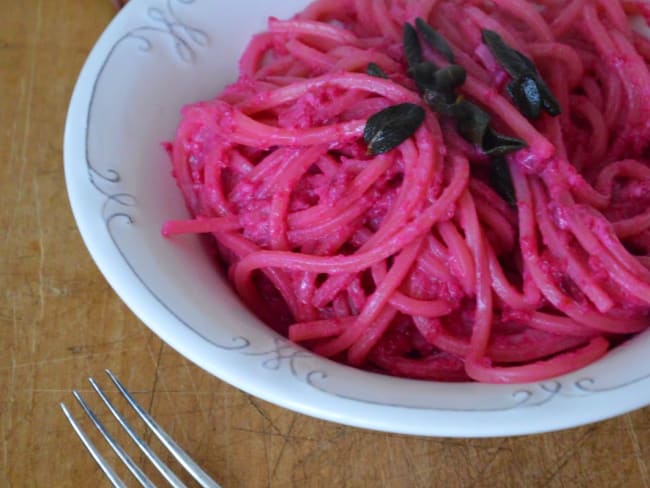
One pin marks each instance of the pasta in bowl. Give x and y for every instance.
(392, 193)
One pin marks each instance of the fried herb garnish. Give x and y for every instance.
(435, 39)
(412, 46)
(438, 87)
(388, 128)
(501, 180)
(528, 90)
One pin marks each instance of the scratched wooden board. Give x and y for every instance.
(60, 323)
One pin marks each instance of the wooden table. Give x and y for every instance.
(60, 323)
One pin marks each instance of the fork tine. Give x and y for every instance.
(155, 460)
(121, 453)
(112, 476)
(181, 456)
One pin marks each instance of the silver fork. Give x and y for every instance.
(181, 456)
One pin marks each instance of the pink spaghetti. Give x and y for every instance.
(409, 262)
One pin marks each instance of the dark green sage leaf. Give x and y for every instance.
(519, 66)
(526, 96)
(388, 128)
(424, 75)
(412, 46)
(472, 121)
(495, 144)
(375, 70)
(549, 102)
(439, 91)
(439, 102)
(501, 180)
(435, 39)
(526, 61)
(515, 63)
(449, 78)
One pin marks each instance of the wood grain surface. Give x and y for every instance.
(60, 323)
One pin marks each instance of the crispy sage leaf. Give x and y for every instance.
(388, 128)
(440, 90)
(449, 78)
(520, 67)
(434, 39)
(525, 95)
(424, 75)
(549, 102)
(375, 70)
(515, 63)
(412, 46)
(495, 144)
(526, 61)
(501, 180)
(439, 102)
(472, 121)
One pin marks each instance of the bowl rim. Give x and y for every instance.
(560, 413)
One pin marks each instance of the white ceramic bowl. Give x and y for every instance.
(158, 55)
